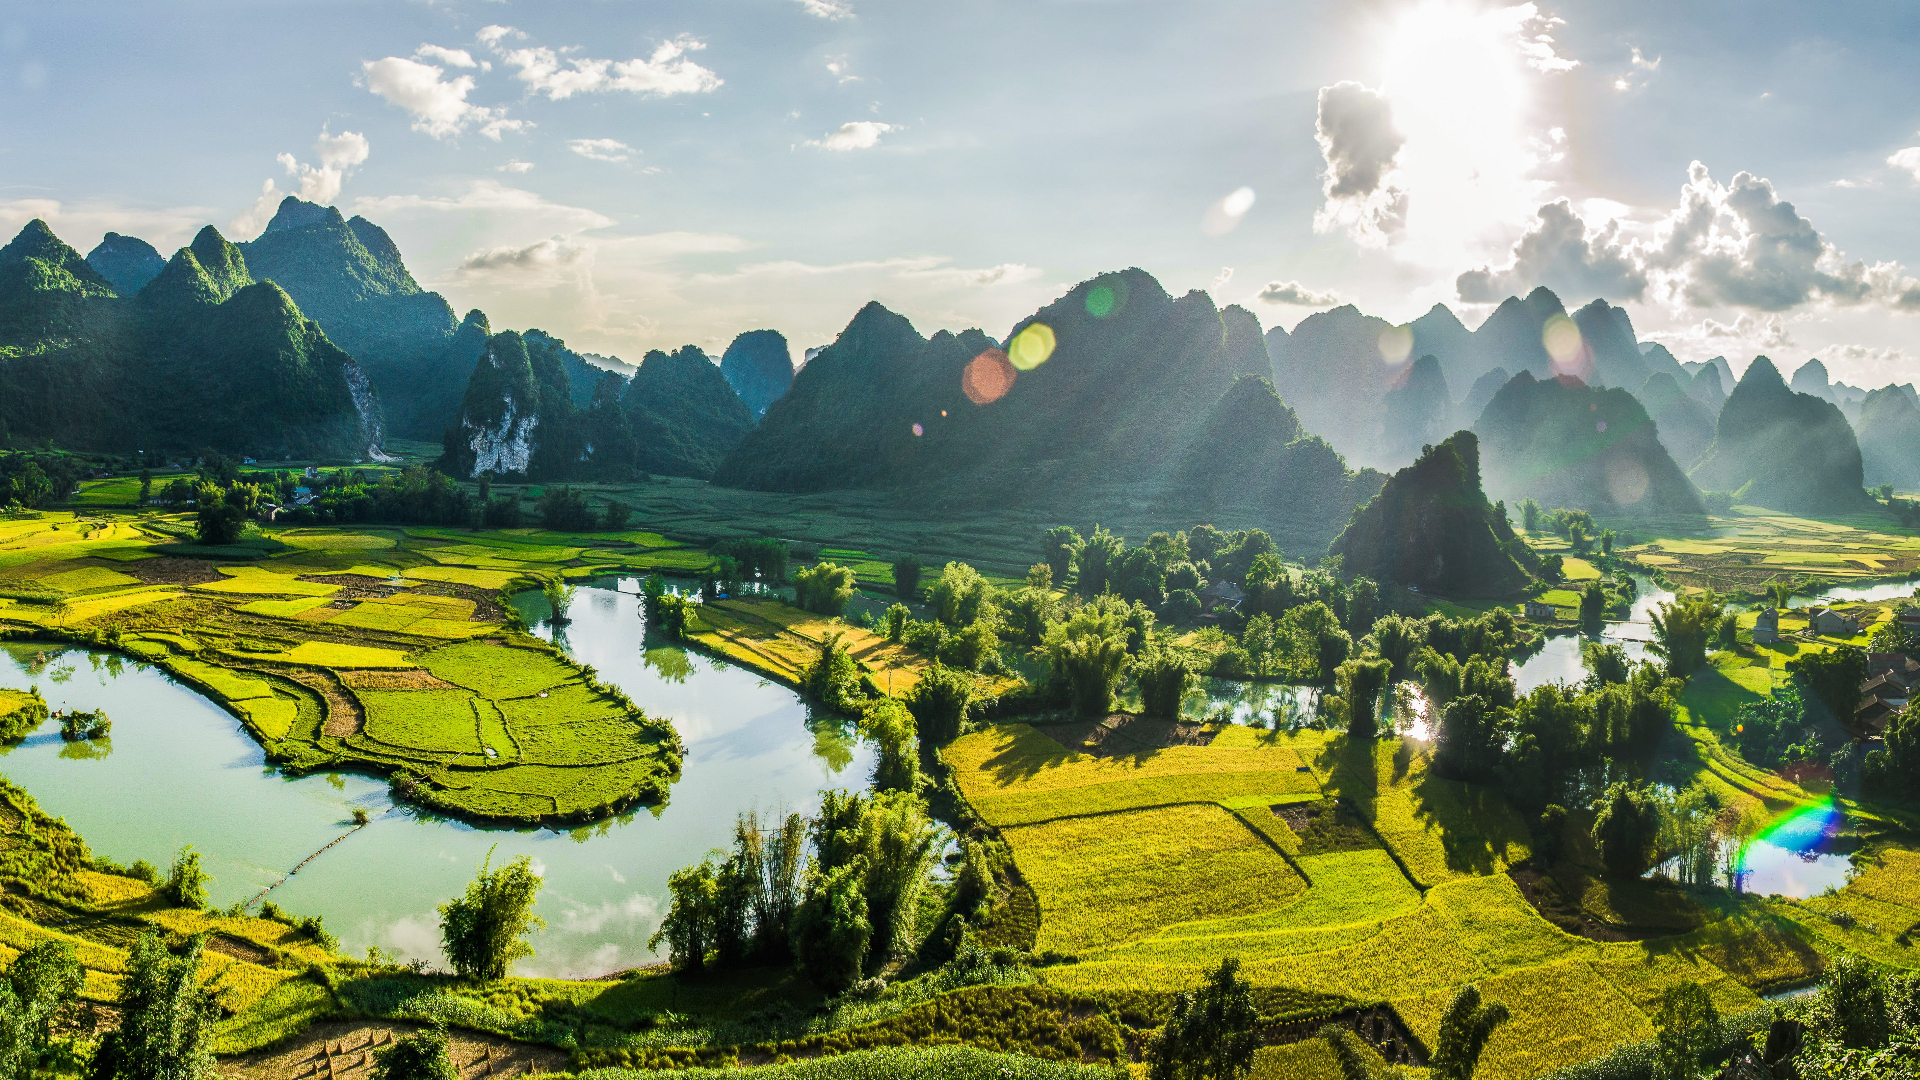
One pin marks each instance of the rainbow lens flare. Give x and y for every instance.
(987, 378)
(1107, 296)
(1803, 830)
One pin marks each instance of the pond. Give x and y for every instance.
(180, 770)
(1559, 660)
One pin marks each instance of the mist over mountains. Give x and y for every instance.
(315, 339)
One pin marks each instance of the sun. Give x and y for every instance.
(1461, 82)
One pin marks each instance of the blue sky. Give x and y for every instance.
(640, 175)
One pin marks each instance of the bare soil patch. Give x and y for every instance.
(344, 1049)
(1553, 905)
(171, 570)
(345, 717)
(240, 950)
(413, 679)
(1120, 734)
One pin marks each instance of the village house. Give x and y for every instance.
(1909, 619)
(1538, 611)
(1221, 596)
(1766, 628)
(1899, 669)
(1829, 623)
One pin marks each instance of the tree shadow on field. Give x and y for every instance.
(1475, 823)
(1352, 772)
(1021, 756)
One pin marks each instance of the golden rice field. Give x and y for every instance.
(1151, 867)
(1750, 547)
(290, 642)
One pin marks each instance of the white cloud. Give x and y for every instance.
(1907, 161)
(828, 9)
(492, 129)
(667, 72)
(601, 149)
(339, 155)
(497, 203)
(439, 105)
(855, 135)
(82, 225)
(1565, 256)
(542, 255)
(490, 35)
(1220, 280)
(461, 58)
(1359, 144)
(1294, 294)
(840, 70)
(515, 166)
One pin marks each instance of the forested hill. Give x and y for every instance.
(1099, 399)
(1561, 442)
(1781, 449)
(347, 275)
(203, 356)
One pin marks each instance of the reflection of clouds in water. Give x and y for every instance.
(618, 878)
(637, 912)
(415, 937)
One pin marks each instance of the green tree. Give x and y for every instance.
(614, 516)
(42, 980)
(1687, 1028)
(1096, 559)
(218, 520)
(692, 907)
(1593, 605)
(1468, 739)
(1058, 548)
(166, 1017)
(1834, 677)
(940, 701)
(1781, 589)
(1210, 1033)
(1465, 1027)
(1605, 664)
(834, 677)
(1627, 829)
(897, 617)
(1607, 539)
(564, 509)
(1359, 684)
(824, 588)
(422, 1055)
(186, 885)
(906, 577)
(831, 933)
(1164, 676)
(890, 727)
(1853, 1003)
(1088, 653)
(485, 931)
(1363, 604)
(559, 597)
(974, 648)
(1530, 515)
(1681, 630)
(959, 596)
(146, 485)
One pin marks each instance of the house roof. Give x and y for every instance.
(1882, 688)
(1222, 590)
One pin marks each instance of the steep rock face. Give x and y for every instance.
(1811, 378)
(1441, 334)
(127, 262)
(1796, 451)
(47, 291)
(1707, 389)
(685, 418)
(439, 383)
(1564, 443)
(1419, 410)
(1483, 390)
(1514, 332)
(1685, 426)
(1612, 354)
(1890, 437)
(1105, 419)
(348, 275)
(759, 367)
(1336, 376)
(500, 416)
(202, 357)
(1432, 527)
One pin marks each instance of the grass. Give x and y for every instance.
(434, 721)
(507, 672)
(257, 580)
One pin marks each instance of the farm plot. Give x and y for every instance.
(1751, 547)
(1111, 878)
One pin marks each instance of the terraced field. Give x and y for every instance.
(380, 649)
(1152, 866)
(1751, 546)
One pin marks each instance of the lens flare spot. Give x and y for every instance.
(1223, 216)
(1099, 301)
(1601, 427)
(943, 412)
(918, 431)
(1561, 339)
(1627, 481)
(1805, 830)
(1031, 346)
(1396, 344)
(988, 377)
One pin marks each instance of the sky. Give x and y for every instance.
(1742, 178)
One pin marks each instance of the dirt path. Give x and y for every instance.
(343, 1050)
(345, 717)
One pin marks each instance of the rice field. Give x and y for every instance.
(1751, 546)
(495, 726)
(1413, 906)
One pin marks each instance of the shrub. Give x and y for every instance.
(824, 588)
(422, 1055)
(906, 577)
(1164, 676)
(1627, 829)
(186, 885)
(897, 617)
(484, 931)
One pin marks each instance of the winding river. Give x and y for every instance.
(180, 770)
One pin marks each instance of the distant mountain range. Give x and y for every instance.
(315, 339)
